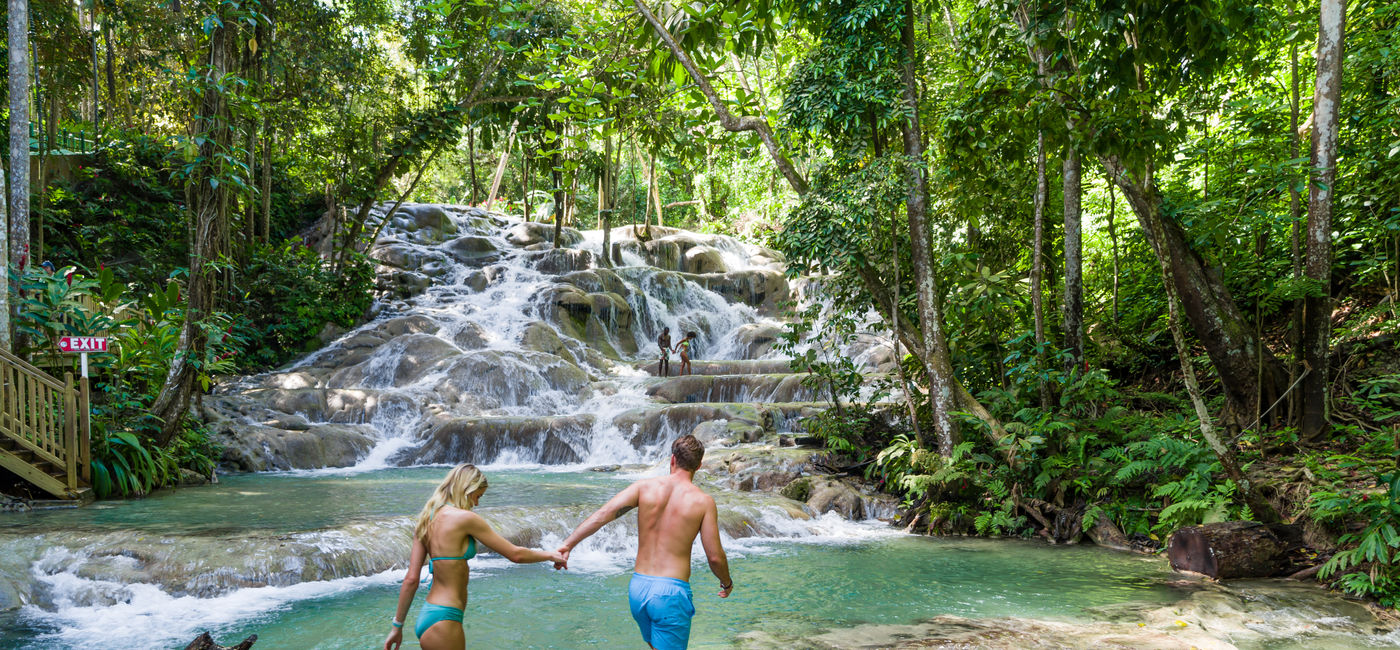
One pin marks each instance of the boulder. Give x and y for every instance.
(429, 220)
(403, 284)
(762, 289)
(647, 427)
(757, 339)
(415, 324)
(540, 337)
(399, 362)
(257, 448)
(473, 249)
(558, 261)
(476, 281)
(727, 432)
(828, 494)
(511, 377)
(704, 259)
(549, 440)
(471, 336)
(530, 233)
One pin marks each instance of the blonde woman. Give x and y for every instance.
(445, 537)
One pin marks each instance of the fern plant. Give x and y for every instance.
(1370, 565)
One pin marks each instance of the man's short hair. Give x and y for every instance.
(688, 452)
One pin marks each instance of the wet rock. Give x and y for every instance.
(329, 332)
(403, 284)
(704, 259)
(530, 233)
(558, 261)
(430, 222)
(476, 281)
(551, 440)
(471, 337)
(653, 426)
(258, 448)
(415, 324)
(762, 289)
(401, 361)
(605, 468)
(757, 339)
(513, 378)
(735, 388)
(540, 337)
(727, 432)
(829, 495)
(473, 249)
(603, 321)
(191, 478)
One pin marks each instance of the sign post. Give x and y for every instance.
(83, 345)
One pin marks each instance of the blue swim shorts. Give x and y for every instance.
(663, 608)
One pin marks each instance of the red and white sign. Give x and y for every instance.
(83, 343)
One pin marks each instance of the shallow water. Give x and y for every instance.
(836, 574)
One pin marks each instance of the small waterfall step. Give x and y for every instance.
(724, 367)
(773, 387)
(550, 439)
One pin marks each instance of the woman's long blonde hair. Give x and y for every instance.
(455, 490)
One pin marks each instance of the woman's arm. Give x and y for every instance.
(478, 528)
(407, 590)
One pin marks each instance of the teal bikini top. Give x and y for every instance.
(471, 549)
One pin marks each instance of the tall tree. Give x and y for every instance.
(207, 199)
(1317, 307)
(19, 133)
(1038, 263)
(1074, 261)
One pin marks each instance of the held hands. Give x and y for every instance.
(561, 558)
(725, 591)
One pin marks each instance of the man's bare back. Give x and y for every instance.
(671, 511)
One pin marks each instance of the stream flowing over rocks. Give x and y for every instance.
(489, 345)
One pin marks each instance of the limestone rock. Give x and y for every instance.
(530, 233)
(257, 448)
(483, 440)
(704, 259)
(473, 249)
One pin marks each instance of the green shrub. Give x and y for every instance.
(1369, 565)
(290, 294)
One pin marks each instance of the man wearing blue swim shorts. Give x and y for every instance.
(671, 511)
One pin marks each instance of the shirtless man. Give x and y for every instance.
(663, 367)
(671, 512)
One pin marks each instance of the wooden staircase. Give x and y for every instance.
(44, 429)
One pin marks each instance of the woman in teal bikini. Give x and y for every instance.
(446, 537)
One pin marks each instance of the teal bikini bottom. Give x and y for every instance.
(431, 614)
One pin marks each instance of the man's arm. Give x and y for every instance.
(617, 506)
(714, 552)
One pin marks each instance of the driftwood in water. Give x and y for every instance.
(1233, 549)
(206, 642)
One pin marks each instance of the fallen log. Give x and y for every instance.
(1232, 549)
(206, 642)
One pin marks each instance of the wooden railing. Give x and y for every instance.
(44, 428)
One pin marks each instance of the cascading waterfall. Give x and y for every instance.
(489, 345)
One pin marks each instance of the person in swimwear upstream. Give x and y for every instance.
(684, 347)
(663, 367)
(449, 528)
(671, 511)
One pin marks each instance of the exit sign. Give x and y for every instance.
(83, 344)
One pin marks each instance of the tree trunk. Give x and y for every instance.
(471, 162)
(1224, 450)
(1295, 214)
(1231, 549)
(727, 120)
(656, 194)
(112, 101)
(19, 133)
(937, 361)
(1228, 338)
(1074, 263)
(557, 176)
(1113, 241)
(501, 167)
(207, 205)
(1317, 308)
(525, 181)
(607, 200)
(1038, 265)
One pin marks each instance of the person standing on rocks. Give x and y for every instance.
(447, 526)
(663, 367)
(684, 347)
(671, 511)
